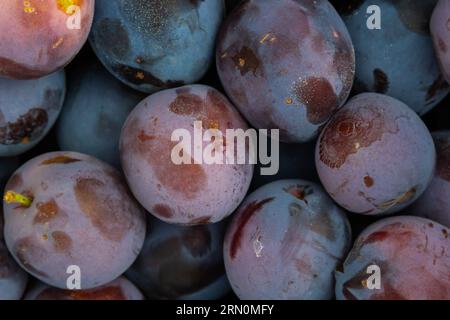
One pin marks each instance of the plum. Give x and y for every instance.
(375, 156)
(286, 64)
(118, 289)
(156, 44)
(13, 279)
(196, 191)
(434, 203)
(40, 37)
(398, 59)
(179, 262)
(440, 32)
(66, 209)
(284, 242)
(28, 109)
(413, 257)
(95, 109)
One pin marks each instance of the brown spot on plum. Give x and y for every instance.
(389, 293)
(27, 251)
(244, 216)
(442, 46)
(15, 182)
(163, 210)
(102, 293)
(61, 159)
(201, 220)
(299, 192)
(47, 211)
(112, 36)
(187, 104)
(246, 61)
(197, 240)
(61, 241)
(27, 126)
(368, 181)
(349, 131)
(437, 87)
(443, 157)
(318, 96)
(143, 137)
(380, 81)
(145, 77)
(445, 233)
(16, 70)
(376, 237)
(110, 215)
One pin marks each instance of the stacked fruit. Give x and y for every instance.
(116, 201)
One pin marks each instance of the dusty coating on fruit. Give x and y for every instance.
(26, 126)
(109, 214)
(243, 218)
(351, 130)
(318, 96)
(27, 250)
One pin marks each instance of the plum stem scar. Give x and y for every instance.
(14, 197)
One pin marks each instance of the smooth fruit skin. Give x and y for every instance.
(28, 110)
(412, 254)
(35, 38)
(398, 59)
(152, 45)
(434, 203)
(183, 263)
(118, 289)
(440, 31)
(375, 156)
(286, 64)
(284, 242)
(81, 214)
(187, 194)
(13, 279)
(94, 112)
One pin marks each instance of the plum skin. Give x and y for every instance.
(13, 279)
(28, 110)
(94, 111)
(413, 256)
(152, 45)
(375, 156)
(81, 214)
(183, 263)
(440, 32)
(187, 194)
(118, 289)
(35, 39)
(434, 203)
(284, 242)
(288, 78)
(384, 63)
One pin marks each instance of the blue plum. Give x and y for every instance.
(95, 109)
(285, 241)
(286, 64)
(398, 59)
(28, 109)
(413, 257)
(152, 44)
(375, 156)
(181, 262)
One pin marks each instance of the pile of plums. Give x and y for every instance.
(119, 183)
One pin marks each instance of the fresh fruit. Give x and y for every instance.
(440, 31)
(286, 64)
(375, 156)
(28, 109)
(95, 109)
(66, 209)
(284, 242)
(181, 262)
(398, 59)
(119, 289)
(413, 257)
(40, 37)
(195, 192)
(156, 44)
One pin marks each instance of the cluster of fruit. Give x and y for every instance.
(96, 208)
